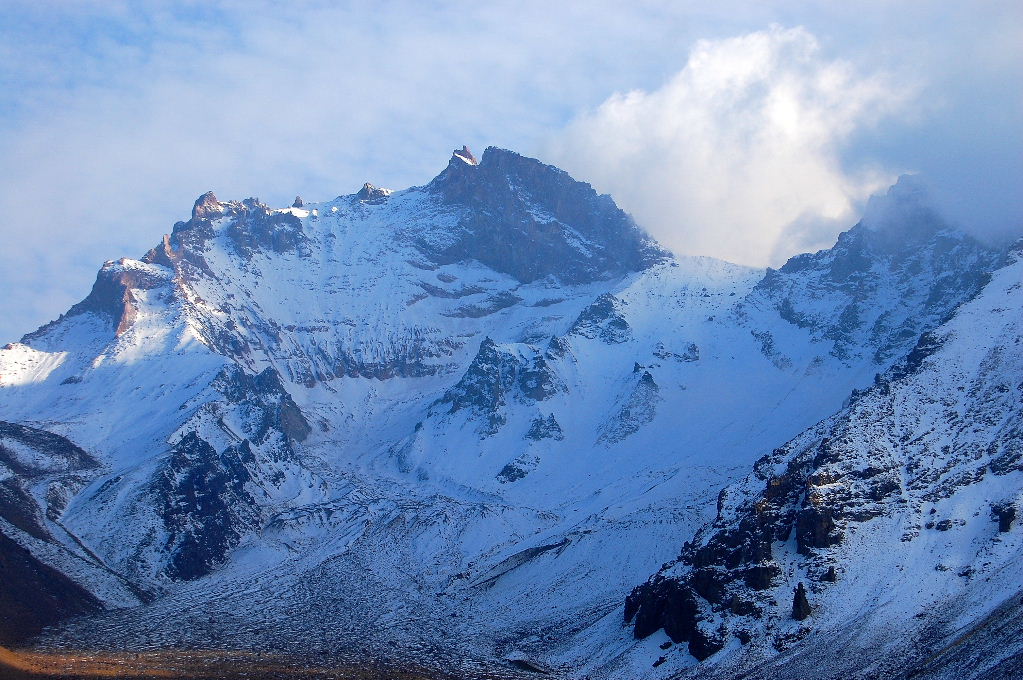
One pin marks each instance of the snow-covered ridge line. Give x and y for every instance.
(472, 415)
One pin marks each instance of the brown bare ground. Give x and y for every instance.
(31, 664)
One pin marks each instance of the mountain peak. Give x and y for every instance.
(464, 155)
(528, 219)
(371, 192)
(206, 207)
(905, 209)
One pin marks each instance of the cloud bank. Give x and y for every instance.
(115, 115)
(738, 156)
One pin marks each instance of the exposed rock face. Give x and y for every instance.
(494, 377)
(113, 295)
(55, 453)
(664, 603)
(638, 409)
(689, 353)
(465, 155)
(30, 457)
(265, 397)
(370, 193)
(207, 497)
(42, 579)
(253, 227)
(206, 506)
(531, 220)
(207, 207)
(491, 305)
(1006, 514)
(545, 428)
(257, 228)
(603, 319)
(517, 469)
(228, 463)
(236, 327)
(412, 359)
(734, 560)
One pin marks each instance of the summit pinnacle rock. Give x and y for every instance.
(206, 207)
(370, 192)
(465, 155)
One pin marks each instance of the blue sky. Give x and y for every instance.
(750, 130)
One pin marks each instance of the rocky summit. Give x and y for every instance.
(488, 427)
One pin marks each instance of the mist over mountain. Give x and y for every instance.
(489, 427)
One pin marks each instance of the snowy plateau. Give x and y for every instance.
(488, 427)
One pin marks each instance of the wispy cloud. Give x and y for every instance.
(117, 117)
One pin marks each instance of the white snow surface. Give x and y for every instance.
(393, 523)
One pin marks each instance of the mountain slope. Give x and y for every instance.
(48, 574)
(898, 514)
(459, 421)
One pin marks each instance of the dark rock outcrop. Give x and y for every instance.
(252, 226)
(205, 497)
(689, 353)
(545, 428)
(667, 604)
(1005, 513)
(637, 409)
(603, 319)
(34, 592)
(732, 561)
(800, 605)
(206, 506)
(884, 457)
(530, 220)
(466, 155)
(264, 394)
(207, 207)
(516, 470)
(258, 228)
(412, 359)
(32, 457)
(59, 453)
(371, 194)
(494, 377)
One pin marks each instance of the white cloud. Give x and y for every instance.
(114, 115)
(114, 118)
(738, 155)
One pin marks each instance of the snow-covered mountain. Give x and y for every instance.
(462, 422)
(881, 536)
